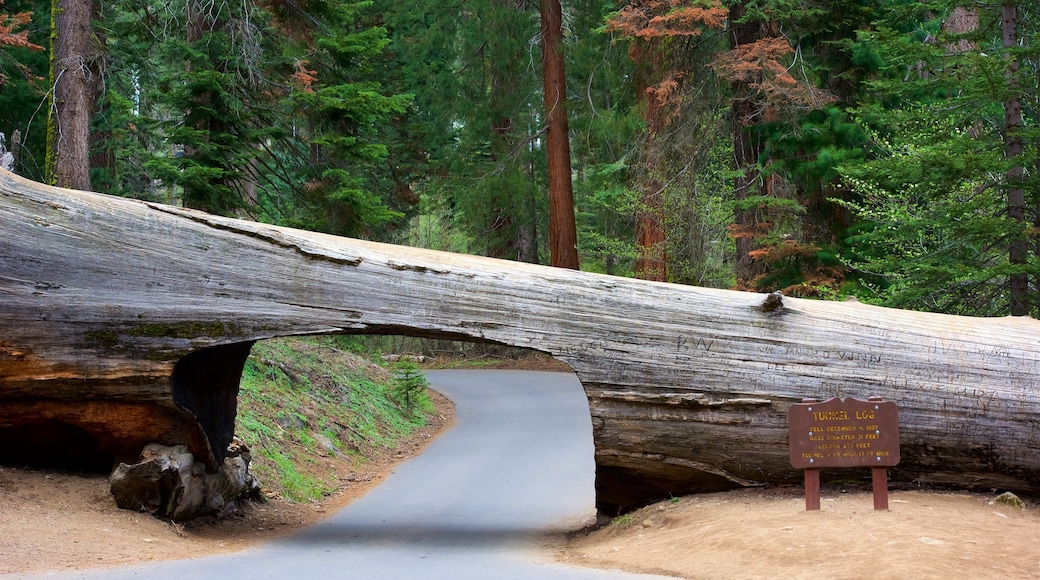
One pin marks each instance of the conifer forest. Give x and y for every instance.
(882, 150)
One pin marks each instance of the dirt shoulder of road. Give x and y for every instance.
(767, 534)
(53, 521)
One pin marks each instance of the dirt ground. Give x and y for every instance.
(52, 521)
(766, 533)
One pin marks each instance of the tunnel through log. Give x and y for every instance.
(205, 383)
(46, 443)
(100, 297)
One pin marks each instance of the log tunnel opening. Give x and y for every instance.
(54, 444)
(205, 383)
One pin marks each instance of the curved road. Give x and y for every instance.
(518, 463)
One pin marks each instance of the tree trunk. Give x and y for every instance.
(128, 322)
(651, 237)
(76, 82)
(747, 149)
(651, 241)
(563, 235)
(1013, 148)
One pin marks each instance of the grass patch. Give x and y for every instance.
(622, 521)
(305, 403)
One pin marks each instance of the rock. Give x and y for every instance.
(415, 358)
(1008, 498)
(169, 483)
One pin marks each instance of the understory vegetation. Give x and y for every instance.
(306, 404)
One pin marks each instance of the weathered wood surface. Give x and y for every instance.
(126, 322)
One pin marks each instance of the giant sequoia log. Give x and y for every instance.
(124, 323)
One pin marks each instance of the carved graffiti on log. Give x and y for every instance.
(128, 322)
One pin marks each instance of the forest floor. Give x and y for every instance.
(54, 521)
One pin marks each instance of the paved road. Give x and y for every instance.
(518, 463)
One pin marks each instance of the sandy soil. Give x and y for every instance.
(54, 521)
(768, 534)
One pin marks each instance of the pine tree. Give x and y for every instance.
(77, 56)
(654, 28)
(950, 214)
(24, 27)
(563, 236)
(344, 120)
(804, 132)
(274, 112)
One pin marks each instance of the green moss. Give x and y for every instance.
(109, 339)
(51, 157)
(182, 330)
(106, 338)
(1009, 499)
(163, 355)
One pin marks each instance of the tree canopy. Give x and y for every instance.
(881, 149)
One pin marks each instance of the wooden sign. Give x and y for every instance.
(844, 433)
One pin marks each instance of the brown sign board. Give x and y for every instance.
(844, 433)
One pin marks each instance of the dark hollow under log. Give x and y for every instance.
(127, 322)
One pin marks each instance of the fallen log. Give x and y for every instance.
(126, 323)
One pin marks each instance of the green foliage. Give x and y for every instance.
(623, 520)
(301, 399)
(410, 386)
(252, 110)
(422, 124)
(697, 210)
(932, 196)
(345, 116)
(435, 227)
(605, 126)
(605, 206)
(475, 71)
(810, 152)
(933, 229)
(23, 88)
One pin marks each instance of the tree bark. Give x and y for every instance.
(76, 80)
(563, 235)
(128, 322)
(746, 113)
(652, 262)
(651, 236)
(1018, 252)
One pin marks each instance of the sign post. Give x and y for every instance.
(844, 433)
